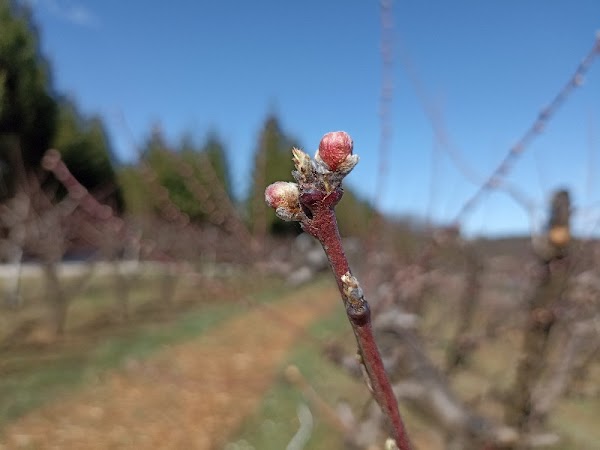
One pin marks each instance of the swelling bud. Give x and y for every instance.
(284, 198)
(334, 148)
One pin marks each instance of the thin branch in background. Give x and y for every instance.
(223, 205)
(591, 158)
(78, 196)
(13, 215)
(434, 177)
(224, 200)
(437, 123)
(386, 96)
(534, 130)
(542, 179)
(461, 344)
(547, 395)
(295, 377)
(168, 209)
(214, 201)
(52, 162)
(304, 431)
(259, 219)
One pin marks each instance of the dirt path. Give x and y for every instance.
(190, 396)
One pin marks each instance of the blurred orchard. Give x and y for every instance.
(489, 343)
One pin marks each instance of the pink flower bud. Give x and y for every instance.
(284, 198)
(281, 193)
(334, 148)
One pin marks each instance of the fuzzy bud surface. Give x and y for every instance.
(334, 148)
(284, 197)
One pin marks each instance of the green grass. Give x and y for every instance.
(577, 421)
(275, 422)
(30, 377)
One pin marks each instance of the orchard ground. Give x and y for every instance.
(205, 373)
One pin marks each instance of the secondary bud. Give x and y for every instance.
(281, 193)
(301, 161)
(284, 198)
(334, 148)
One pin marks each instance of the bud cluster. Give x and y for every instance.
(332, 162)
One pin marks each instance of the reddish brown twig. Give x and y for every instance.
(311, 201)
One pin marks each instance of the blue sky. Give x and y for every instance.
(485, 68)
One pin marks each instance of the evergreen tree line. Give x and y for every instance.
(194, 177)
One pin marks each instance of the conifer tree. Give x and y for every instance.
(27, 107)
(272, 162)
